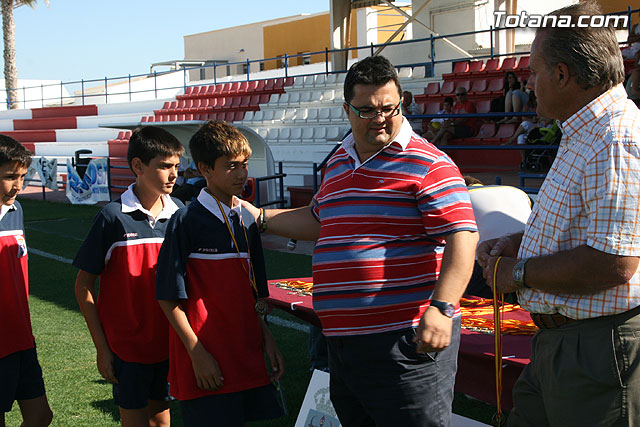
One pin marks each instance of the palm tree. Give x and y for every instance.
(9, 36)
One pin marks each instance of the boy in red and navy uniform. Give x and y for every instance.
(210, 274)
(128, 328)
(20, 372)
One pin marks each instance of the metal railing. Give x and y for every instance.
(109, 88)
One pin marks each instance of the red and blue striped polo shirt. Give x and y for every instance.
(381, 242)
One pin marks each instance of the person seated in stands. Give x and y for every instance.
(514, 98)
(463, 127)
(193, 183)
(432, 128)
(410, 108)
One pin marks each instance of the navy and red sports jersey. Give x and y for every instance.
(122, 247)
(199, 265)
(15, 322)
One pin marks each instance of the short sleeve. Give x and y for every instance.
(171, 269)
(443, 200)
(93, 251)
(611, 192)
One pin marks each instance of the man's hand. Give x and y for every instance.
(504, 283)
(206, 369)
(502, 246)
(255, 212)
(104, 360)
(434, 331)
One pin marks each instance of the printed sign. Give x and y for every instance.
(317, 410)
(48, 171)
(93, 187)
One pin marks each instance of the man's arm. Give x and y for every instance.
(86, 296)
(434, 330)
(582, 270)
(205, 366)
(298, 223)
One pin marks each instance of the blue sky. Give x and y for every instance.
(74, 39)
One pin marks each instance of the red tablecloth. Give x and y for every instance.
(475, 375)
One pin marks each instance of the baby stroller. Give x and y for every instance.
(540, 160)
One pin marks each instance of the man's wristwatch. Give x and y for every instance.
(518, 274)
(445, 308)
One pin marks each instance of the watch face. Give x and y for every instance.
(262, 307)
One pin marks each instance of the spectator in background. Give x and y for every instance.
(410, 108)
(463, 127)
(435, 125)
(515, 99)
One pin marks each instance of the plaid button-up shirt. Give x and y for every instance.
(591, 196)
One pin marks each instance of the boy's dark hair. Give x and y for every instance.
(448, 99)
(149, 142)
(11, 151)
(216, 139)
(374, 70)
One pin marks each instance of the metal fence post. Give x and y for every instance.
(215, 72)
(41, 96)
(433, 54)
(184, 79)
(82, 90)
(286, 65)
(24, 98)
(61, 93)
(248, 68)
(372, 52)
(155, 84)
(129, 87)
(491, 39)
(326, 60)
(106, 91)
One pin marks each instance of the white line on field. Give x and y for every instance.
(51, 256)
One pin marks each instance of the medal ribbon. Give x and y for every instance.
(498, 304)
(251, 273)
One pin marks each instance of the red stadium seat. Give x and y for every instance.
(495, 87)
(483, 106)
(476, 66)
(491, 65)
(463, 83)
(505, 131)
(458, 68)
(479, 85)
(432, 108)
(447, 89)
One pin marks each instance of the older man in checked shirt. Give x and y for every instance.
(576, 265)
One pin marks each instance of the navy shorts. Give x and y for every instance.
(20, 378)
(139, 383)
(232, 409)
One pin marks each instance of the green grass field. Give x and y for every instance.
(76, 392)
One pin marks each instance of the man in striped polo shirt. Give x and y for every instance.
(395, 248)
(575, 267)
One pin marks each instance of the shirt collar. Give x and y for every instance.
(402, 138)
(131, 203)
(210, 204)
(6, 208)
(575, 125)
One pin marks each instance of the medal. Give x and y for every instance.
(262, 308)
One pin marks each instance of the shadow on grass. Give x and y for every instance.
(107, 407)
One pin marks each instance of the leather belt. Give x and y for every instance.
(550, 321)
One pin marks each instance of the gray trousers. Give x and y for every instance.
(582, 374)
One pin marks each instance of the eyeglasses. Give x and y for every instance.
(461, 93)
(372, 114)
